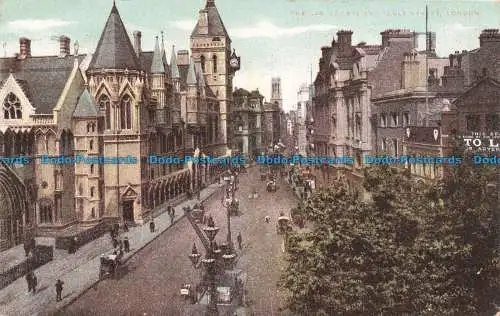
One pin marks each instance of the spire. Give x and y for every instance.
(173, 65)
(85, 106)
(157, 66)
(191, 76)
(164, 55)
(114, 50)
(213, 21)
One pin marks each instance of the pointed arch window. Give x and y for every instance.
(214, 63)
(106, 106)
(126, 113)
(12, 107)
(202, 63)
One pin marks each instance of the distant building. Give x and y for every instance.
(246, 116)
(273, 115)
(302, 105)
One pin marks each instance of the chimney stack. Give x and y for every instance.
(24, 47)
(182, 57)
(64, 43)
(137, 43)
(489, 36)
(344, 38)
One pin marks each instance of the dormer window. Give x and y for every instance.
(12, 107)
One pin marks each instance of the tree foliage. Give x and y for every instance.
(413, 248)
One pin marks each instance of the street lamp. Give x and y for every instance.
(209, 262)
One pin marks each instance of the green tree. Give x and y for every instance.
(408, 250)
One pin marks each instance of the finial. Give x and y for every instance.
(76, 46)
(162, 37)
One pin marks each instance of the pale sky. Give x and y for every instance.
(273, 37)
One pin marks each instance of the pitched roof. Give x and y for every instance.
(42, 78)
(215, 25)
(478, 92)
(146, 60)
(85, 106)
(174, 70)
(157, 66)
(191, 75)
(114, 50)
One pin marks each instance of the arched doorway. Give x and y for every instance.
(14, 214)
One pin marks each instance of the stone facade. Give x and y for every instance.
(121, 102)
(247, 122)
(342, 112)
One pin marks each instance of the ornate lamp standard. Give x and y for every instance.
(228, 202)
(213, 259)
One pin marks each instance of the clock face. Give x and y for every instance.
(233, 62)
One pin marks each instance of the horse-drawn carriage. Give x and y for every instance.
(283, 225)
(110, 264)
(271, 186)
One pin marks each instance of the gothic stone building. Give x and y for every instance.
(273, 115)
(127, 102)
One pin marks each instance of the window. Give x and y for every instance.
(358, 125)
(383, 120)
(394, 117)
(493, 123)
(202, 59)
(214, 64)
(395, 147)
(88, 128)
(383, 144)
(126, 113)
(91, 169)
(93, 212)
(12, 107)
(472, 123)
(91, 144)
(406, 119)
(105, 104)
(92, 189)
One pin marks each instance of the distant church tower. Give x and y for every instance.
(276, 92)
(211, 48)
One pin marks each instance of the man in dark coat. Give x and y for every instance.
(126, 244)
(240, 240)
(152, 226)
(29, 280)
(59, 288)
(34, 282)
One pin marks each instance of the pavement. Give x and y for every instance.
(80, 271)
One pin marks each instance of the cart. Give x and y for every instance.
(109, 265)
(271, 186)
(283, 225)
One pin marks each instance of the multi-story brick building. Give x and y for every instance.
(342, 112)
(126, 103)
(247, 122)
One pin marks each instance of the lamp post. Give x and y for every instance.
(213, 258)
(227, 202)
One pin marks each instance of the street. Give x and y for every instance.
(155, 275)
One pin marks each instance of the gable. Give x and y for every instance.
(12, 93)
(485, 92)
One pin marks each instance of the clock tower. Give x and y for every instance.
(211, 47)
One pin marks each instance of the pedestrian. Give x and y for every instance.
(29, 280)
(125, 227)
(59, 288)
(171, 219)
(240, 239)
(152, 226)
(268, 219)
(173, 212)
(34, 282)
(126, 244)
(115, 242)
